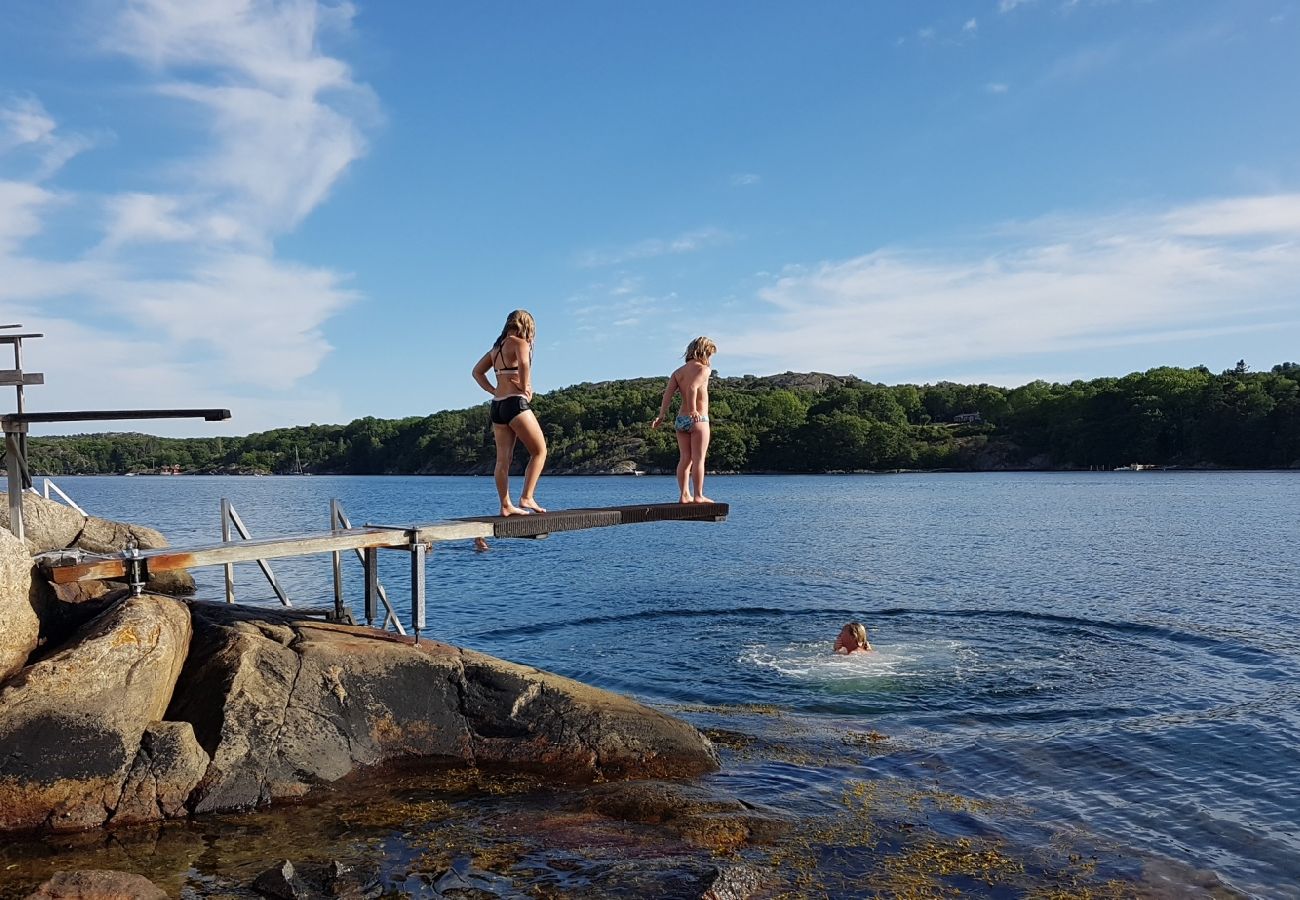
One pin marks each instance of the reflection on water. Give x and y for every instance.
(1100, 666)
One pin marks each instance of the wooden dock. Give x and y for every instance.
(366, 541)
(81, 567)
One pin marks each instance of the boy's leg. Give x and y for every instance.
(505, 439)
(699, 447)
(683, 466)
(526, 427)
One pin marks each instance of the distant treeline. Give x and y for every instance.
(781, 423)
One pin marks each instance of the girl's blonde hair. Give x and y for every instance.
(700, 349)
(859, 631)
(520, 324)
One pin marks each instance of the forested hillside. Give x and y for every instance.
(782, 423)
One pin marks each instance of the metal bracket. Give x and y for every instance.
(137, 569)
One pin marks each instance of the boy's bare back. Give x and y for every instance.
(692, 382)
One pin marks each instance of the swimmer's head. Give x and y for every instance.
(855, 631)
(519, 324)
(701, 350)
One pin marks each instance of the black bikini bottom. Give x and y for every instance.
(506, 409)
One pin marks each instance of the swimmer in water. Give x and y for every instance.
(853, 639)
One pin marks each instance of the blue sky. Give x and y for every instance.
(310, 212)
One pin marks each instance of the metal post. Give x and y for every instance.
(25, 478)
(225, 538)
(371, 564)
(336, 558)
(418, 551)
(13, 468)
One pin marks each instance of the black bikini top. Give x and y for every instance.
(501, 356)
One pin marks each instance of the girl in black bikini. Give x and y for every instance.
(510, 359)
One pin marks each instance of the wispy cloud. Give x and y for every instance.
(687, 242)
(188, 277)
(1006, 6)
(745, 179)
(605, 310)
(30, 140)
(1195, 271)
(997, 87)
(970, 26)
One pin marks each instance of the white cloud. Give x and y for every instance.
(185, 284)
(971, 25)
(745, 179)
(688, 242)
(28, 134)
(1006, 6)
(1064, 284)
(997, 87)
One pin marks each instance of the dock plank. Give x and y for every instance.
(71, 568)
(576, 519)
(221, 553)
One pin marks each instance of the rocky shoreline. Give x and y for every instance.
(120, 710)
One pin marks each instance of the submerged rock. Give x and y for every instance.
(283, 704)
(98, 884)
(701, 816)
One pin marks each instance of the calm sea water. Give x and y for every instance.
(1116, 653)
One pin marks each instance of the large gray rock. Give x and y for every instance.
(71, 725)
(166, 769)
(283, 704)
(19, 624)
(47, 525)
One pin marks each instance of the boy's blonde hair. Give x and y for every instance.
(859, 631)
(520, 323)
(700, 349)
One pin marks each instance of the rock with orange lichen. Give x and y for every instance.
(282, 704)
(71, 725)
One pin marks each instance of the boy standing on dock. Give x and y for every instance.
(692, 423)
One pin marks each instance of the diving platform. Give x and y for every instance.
(134, 565)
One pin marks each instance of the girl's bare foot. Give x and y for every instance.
(702, 499)
(509, 509)
(530, 503)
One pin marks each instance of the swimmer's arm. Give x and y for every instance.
(667, 401)
(480, 373)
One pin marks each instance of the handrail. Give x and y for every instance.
(51, 486)
(230, 517)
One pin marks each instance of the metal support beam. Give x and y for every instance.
(339, 519)
(370, 563)
(261, 563)
(336, 562)
(225, 539)
(417, 588)
(14, 469)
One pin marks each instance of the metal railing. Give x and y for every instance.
(49, 487)
(375, 594)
